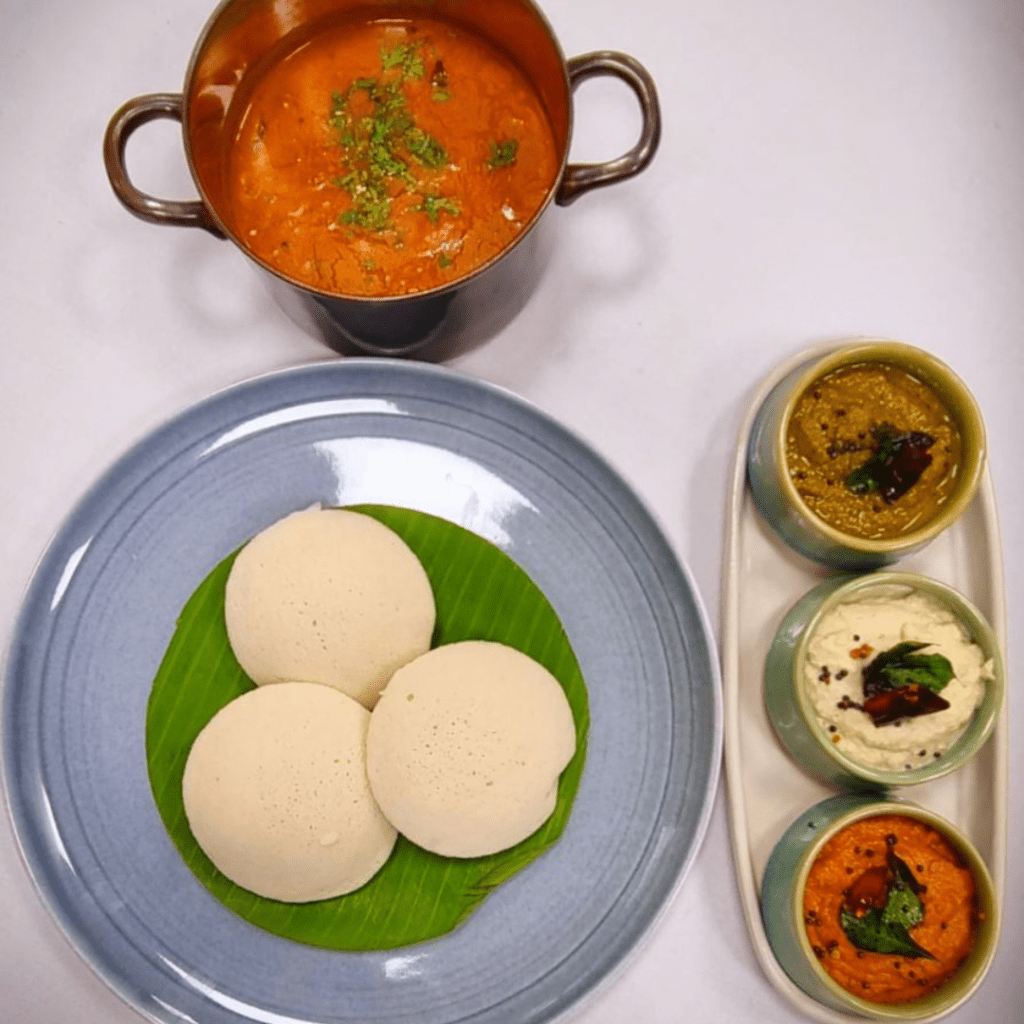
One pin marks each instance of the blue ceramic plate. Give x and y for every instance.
(101, 610)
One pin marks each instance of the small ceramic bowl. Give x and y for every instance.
(775, 493)
(808, 738)
(782, 909)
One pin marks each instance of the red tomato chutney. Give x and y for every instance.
(890, 909)
(387, 157)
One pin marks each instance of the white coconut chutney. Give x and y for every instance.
(843, 645)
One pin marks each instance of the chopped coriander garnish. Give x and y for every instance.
(503, 153)
(368, 213)
(427, 150)
(405, 56)
(433, 205)
(380, 139)
(444, 261)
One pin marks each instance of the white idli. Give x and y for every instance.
(328, 596)
(276, 794)
(465, 748)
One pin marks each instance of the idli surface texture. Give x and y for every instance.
(466, 745)
(276, 794)
(328, 596)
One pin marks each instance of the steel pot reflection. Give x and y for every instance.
(242, 32)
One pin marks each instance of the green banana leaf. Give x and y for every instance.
(481, 594)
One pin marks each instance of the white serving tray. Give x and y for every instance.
(766, 791)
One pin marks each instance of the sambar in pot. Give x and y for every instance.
(380, 159)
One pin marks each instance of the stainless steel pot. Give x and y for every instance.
(241, 33)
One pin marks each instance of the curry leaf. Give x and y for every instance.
(875, 935)
(900, 683)
(900, 666)
(904, 905)
(886, 929)
(896, 465)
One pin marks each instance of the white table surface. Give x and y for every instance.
(826, 169)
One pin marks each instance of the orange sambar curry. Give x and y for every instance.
(387, 157)
(890, 909)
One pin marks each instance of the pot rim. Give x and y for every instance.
(937, 375)
(978, 729)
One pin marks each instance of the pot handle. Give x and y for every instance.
(580, 178)
(132, 115)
